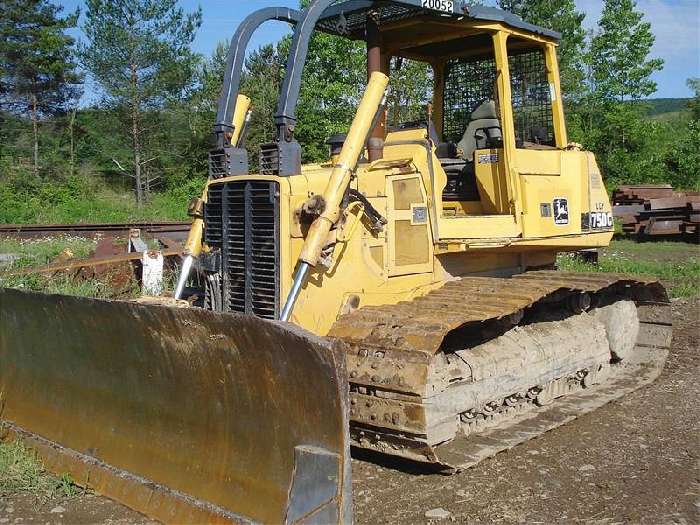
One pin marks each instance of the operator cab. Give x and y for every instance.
(479, 57)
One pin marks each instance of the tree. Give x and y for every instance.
(694, 104)
(335, 75)
(563, 17)
(411, 90)
(613, 117)
(38, 74)
(620, 51)
(683, 159)
(138, 52)
(262, 79)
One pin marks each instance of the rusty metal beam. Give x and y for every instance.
(77, 264)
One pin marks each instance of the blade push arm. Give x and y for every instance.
(338, 184)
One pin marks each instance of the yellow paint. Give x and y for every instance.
(411, 246)
(193, 245)
(557, 102)
(491, 182)
(239, 117)
(506, 231)
(342, 171)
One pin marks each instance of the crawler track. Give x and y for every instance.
(418, 390)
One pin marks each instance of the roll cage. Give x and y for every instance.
(426, 30)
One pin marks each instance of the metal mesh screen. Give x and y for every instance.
(532, 99)
(353, 23)
(468, 83)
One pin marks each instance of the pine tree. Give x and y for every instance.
(138, 52)
(38, 74)
(620, 51)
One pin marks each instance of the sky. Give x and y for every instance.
(675, 24)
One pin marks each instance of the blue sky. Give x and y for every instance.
(675, 23)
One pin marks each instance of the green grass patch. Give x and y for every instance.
(38, 252)
(28, 200)
(680, 274)
(61, 284)
(671, 249)
(109, 206)
(22, 471)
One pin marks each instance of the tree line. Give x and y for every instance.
(149, 101)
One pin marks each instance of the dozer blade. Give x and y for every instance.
(186, 415)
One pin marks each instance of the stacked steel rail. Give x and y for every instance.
(657, 210)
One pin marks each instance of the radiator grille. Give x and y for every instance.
(269, 159)
(242, 220)
(217, 164)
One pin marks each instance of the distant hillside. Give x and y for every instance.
(660, 106)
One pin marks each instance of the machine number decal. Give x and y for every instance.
(601, 219)
(448, 6)
(561, 211)
(488, 158)
(420, 215)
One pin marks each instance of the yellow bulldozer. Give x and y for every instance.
(400, 297)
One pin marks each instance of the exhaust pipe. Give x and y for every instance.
(193, 246)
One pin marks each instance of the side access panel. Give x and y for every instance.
(186, 415)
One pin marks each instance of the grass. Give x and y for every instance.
(63, 285)
(675, 263)
(110, 206)
(82, 200)
(22, 471)
(37, 252)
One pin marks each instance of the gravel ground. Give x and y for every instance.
(632, 461)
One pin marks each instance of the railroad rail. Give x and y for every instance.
(173, 230)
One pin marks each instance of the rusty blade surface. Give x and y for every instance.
(183, 414)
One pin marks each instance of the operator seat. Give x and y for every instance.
(483, 131)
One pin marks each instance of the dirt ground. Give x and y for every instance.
(634, 461)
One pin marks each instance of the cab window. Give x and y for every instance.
(531, 95)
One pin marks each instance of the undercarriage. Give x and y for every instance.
(483, 364)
